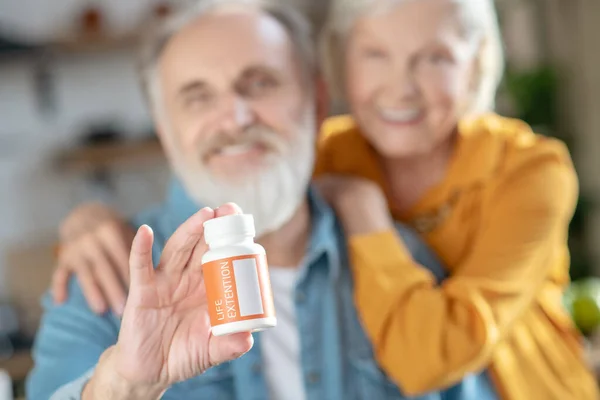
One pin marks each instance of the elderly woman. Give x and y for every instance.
(493, 200)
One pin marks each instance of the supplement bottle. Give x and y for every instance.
(236, 275)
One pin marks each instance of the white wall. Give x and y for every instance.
(34, 194)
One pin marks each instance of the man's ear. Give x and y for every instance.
(159, 128)
(322, 99)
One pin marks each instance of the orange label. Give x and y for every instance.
(238, 289)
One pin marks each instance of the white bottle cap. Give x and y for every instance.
(227, 226)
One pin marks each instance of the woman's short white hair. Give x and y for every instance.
(478, 16)
(297, 27)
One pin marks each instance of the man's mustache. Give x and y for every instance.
(255, 135)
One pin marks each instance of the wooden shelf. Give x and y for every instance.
(93, 43)
(103, 156)
(82, 44)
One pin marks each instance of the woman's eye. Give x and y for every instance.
(439, 58)
(373, 53)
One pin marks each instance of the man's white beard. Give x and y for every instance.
(274, 193)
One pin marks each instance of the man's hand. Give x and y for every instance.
(360, 203)
(165, 334)
(95, 245)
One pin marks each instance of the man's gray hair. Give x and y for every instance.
(295, 24)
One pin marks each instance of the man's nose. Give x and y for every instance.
(236, 115)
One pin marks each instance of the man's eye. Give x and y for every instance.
(198, 99)
(260, 85)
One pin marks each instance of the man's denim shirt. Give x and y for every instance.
(337, 357)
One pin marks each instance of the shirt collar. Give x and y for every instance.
(326, 236)
(479, 144)
(476, 159)
(477, 156)
(325, 231)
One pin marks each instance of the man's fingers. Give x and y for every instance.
(91, 291)
(181, 245)
(229, 347)
(227, 209)
(60, 280)
(141, 270)
(195, 262)
(196, 259)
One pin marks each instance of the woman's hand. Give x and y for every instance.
(95, 246)
(360, 203)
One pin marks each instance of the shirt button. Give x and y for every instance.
(255, 368)
(300, 297)
(313, 378)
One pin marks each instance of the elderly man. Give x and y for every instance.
(233, 91)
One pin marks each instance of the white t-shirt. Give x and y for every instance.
(280, 346)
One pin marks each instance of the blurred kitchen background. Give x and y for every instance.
(74, 127)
